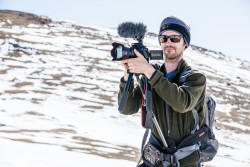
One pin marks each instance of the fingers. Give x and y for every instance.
(138, 54)
(135, 65)
(125, 65)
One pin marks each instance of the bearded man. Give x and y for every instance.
(172, 103)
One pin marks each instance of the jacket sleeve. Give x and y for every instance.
(181, 98)
(134, 98)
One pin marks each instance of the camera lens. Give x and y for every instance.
(119, 54)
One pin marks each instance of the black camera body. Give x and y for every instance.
(120, 52)
(136, 31)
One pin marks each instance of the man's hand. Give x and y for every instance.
(138, 65)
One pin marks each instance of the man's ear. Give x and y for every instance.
(184, 44)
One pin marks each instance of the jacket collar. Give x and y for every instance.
(181, 66)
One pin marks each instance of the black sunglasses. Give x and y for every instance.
(173, 38)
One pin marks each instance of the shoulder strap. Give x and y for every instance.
(184, 75)
(196, 121)
(182, 79)
(145, 136)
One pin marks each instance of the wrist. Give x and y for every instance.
(149, 71)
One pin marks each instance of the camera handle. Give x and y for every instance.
(125, 93)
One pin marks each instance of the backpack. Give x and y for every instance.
(209, 144)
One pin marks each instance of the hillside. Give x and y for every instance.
(58, 96)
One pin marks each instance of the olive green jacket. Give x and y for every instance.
(181, 100)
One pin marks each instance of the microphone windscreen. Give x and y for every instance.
(132, 30)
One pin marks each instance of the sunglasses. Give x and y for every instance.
(173, 38)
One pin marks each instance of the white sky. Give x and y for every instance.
(220, 25)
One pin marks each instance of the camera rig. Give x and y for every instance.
(120, 52)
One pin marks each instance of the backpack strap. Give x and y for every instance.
(145, 136)
(185, 74)
(182, 79)
(196, 121)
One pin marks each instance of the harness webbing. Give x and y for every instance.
(182, 152)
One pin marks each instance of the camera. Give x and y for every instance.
(136, 31)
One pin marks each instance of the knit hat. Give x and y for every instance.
(176, 24)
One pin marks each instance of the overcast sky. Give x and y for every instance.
(220, 25)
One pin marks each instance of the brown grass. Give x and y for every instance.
(3, 71)
(21, 84)
(82, 89)
(15, 53)
(59, 76)
(21, 18)
(36, 100)
(15, 91)
(41, 91)
(34, 113)
(124, 151)
(21, 131)
(92, 107)
(12, 67)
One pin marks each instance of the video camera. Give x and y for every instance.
(136, 31)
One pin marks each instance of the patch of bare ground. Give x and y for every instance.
(15, 91)
(70, 82)
(21, 84)
(27, 141)
(116, 82)
(124, 151)
(232, 128)
(36, 100)
(95, 147)
(58, 131)
(92, 36)
(59, 76)
(41, 92)
(28, 131)
(3, 71)
(38, 71)
(46, 88)
(34, 113)
(18, 98)
(99, 103)
(105, 43)
(105, 69)
(107, 98)
(12, 67)
(74, 98)
(22, 19)
(17, 52)
(91, 67)
(51, 83)
(92, 107)
(81, 89)
(7, 58)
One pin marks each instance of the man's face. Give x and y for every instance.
(173, 51)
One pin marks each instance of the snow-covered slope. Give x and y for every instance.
(58, 97)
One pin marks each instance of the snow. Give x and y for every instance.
(68, 115)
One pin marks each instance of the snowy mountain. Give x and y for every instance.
(58, 96)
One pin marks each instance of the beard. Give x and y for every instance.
(172, 54)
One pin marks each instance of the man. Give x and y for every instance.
(172, 103)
